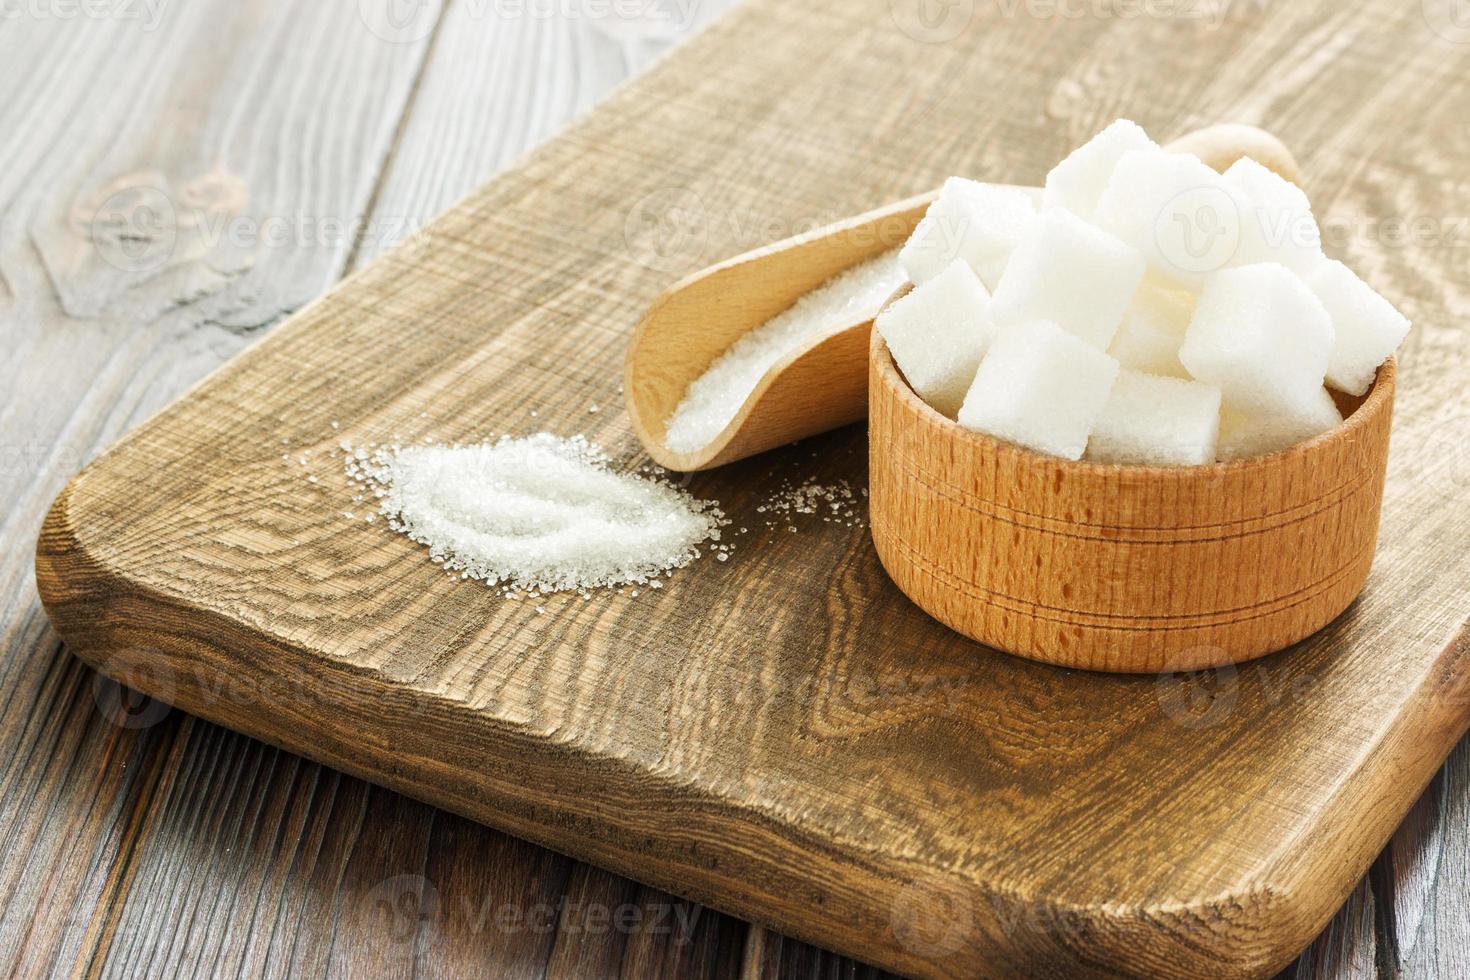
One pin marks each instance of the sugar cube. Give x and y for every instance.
(980, 223)
(1078, 181)
(1179, 213)
(1152, 331)
(937, 334)
(1157, 421)
(1277, 224)
(1260, 336)
(1040, 386)
(1246, 433)
(1072, 274)
(1368, 327)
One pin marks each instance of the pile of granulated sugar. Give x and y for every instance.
(540, 513)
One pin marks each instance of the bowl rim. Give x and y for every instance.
(1374, 402)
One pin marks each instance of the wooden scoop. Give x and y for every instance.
(824, 384)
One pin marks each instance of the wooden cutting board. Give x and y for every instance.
(784, 736)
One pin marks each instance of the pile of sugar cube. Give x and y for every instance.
(1149, 311)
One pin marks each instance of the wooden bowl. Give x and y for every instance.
(1132, 569)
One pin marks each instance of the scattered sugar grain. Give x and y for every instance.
(714, 398)
(538, 514)
(834, 503)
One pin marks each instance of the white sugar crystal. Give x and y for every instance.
(1261, 336)
(1277, 223)
(715, 397)
(1157, 421)
(540, 513)
(1042, 387)
(1152, 331)
(1179, 213)
(1244, 434)
(980, 223)
(1368, 327)
(938, 333)
(1077, 182)
(1072, 274)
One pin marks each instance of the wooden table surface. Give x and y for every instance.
(138, 840)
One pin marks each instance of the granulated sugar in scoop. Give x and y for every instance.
(716, 397)
(540, 513)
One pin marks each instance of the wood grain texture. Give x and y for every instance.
(98, 336)
(971, 769)
(1132, 569)
(86, 768)
(75, 785)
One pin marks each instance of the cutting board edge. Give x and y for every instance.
(86, 597)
